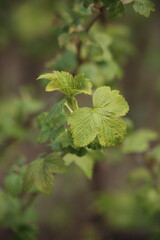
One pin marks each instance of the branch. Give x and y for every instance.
(93, 19)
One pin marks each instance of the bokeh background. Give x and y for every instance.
(106, 206)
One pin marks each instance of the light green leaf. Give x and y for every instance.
(144, 7)
(140, 175)
(126, 1)
(66, 83)
(85, 163)
(155, 153)
(64, 38)
(102, 120)
(138, 141)
(102, 73)
(96, 48)
(111, 101)
(40, 172)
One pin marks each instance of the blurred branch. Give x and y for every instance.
(94, 18)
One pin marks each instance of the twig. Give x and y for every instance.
(93, 19)
(30, 200)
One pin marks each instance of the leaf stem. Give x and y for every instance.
(74, 103)
(68, 107)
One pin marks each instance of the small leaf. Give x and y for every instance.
(155, 153)
(51, 124)
(144, 7)
(61, 63)
(103, 120)
(138, 141)
(13, 184)
(56, 163)
(66, 83)
(86, 3)
(40, 172)
(64, 38)
(85, 163)
(140, 175)
(115, 8)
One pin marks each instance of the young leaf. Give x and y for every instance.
(103, 120)
(66, 83)
(85, 163)
(115, 8)
(13, 184)
(86, 3)
(140, 175)
(51, 124)
(138, 141)
(40, 173)
(155, 153)
(144, 7)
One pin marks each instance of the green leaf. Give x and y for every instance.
(85, 163)
(138, 141)
(140, 175)
(115, 8)
(40, 172)
(67, 84)
(13, 184)
(57, 110)
(96, 47)
(103, 120)
(51, 124)
(61, 63)
(56, 163)
(155, 153)
(64, 38)
(86, 3)
(144, 7)
(126, 1)
(25, 231)
(103, 73)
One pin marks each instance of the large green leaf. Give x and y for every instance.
(144, 7)
(66, 83)
(40, 172)
(103, 120)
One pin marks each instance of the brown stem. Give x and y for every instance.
(93, 19)
(29, 201)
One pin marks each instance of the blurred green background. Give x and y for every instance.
(119, 202)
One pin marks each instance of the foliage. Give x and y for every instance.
(139, 141)
(102, 120)
(144, 7)
(40, 173)
(93, 50)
